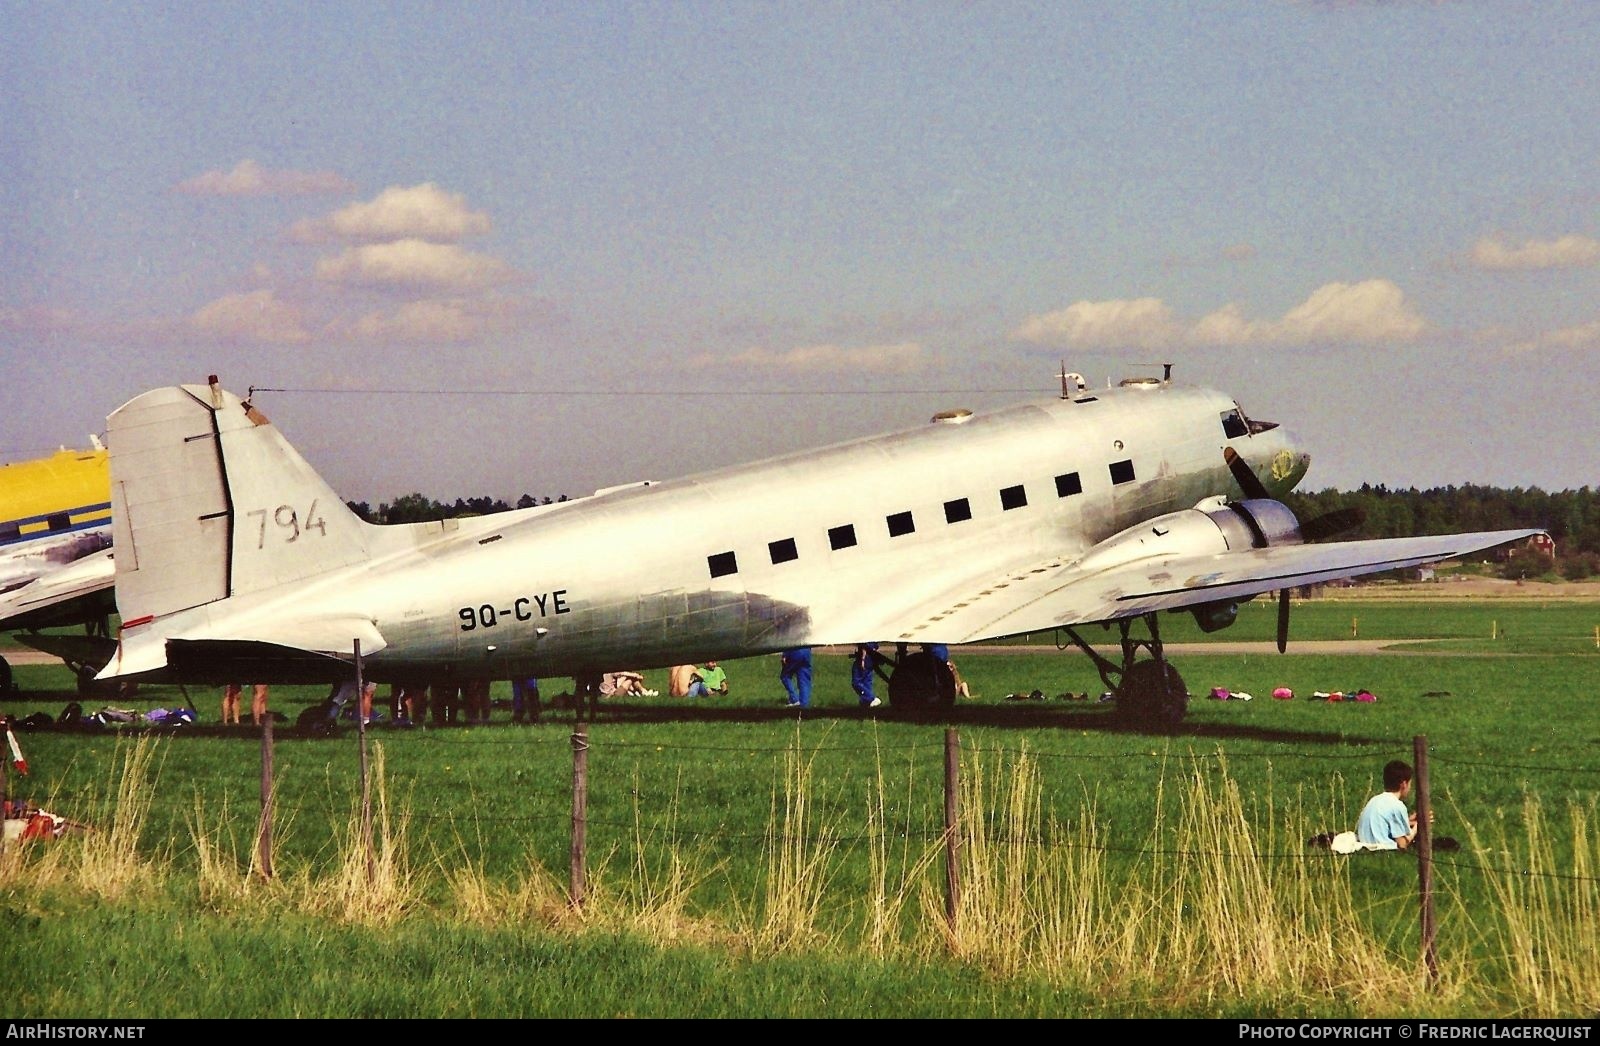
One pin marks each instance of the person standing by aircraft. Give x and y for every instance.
(863, 672)
(230, 703)
(444, 702)
(795, 675)
(525, 700)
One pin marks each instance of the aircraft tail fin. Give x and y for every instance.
(209, 501)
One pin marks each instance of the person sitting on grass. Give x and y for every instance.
(1385, 824)
(708, 681)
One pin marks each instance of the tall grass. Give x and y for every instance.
(1547, 936)
(102, 860)
(373, 879)
(1217, 902)
(1223, 909)
(798, 852)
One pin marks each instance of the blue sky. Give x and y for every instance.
(1376, 222)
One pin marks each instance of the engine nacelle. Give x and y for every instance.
(1255, 523)
(1215, 528)
(1214, 617)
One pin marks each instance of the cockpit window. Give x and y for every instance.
(1233, 423)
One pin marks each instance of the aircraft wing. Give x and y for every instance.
(56, 594)
(1053, 593)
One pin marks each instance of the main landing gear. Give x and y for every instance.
(919, 682)
(1150, 692)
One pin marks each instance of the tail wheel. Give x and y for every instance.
(921, 682)
(89, 686)
(1153, 695)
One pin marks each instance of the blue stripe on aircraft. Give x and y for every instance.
(9, 529)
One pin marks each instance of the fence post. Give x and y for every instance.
(952, 824)
(366, 786)
(1424, 843)
(264, 842)
(580, 811)
(5, 782)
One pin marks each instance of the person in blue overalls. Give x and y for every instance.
(795, 675)
(525, 700)
(862, 673)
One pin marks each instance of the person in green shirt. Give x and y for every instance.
(707, 681)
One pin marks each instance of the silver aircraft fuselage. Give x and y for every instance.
(803, 549)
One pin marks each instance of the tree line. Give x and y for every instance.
(418, 508)
(1571, 516)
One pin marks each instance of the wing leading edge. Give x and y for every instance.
(1053, 593)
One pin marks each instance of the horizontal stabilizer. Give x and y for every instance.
(62, 595)
(305, 636)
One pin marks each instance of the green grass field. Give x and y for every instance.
(746, 862)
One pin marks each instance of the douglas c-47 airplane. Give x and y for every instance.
(236, 561)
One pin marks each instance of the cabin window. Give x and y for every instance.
(1013, 497)
(900, 524)
(1233, 424)
(842, 537)
(1068, 484)
(722, 564)
(957, 511)
(783, 551)
(1122, 471)
(10, 531)
(60, 521)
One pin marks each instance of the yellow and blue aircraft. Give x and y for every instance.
(55, 552)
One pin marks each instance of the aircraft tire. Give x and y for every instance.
(1145, 702)
(921, 683)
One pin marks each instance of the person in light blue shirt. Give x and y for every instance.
(1384, 822)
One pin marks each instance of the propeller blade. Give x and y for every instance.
(1244, 475)
(1283, 620)
(1332, 523)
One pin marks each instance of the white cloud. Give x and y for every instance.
(901, 358)
(410, 265)
(419, 212)
(431, 321)
(1584, 336)
(1144, 323)
(249, 178)
(1350, 313)
(1337, 313)
(255, 317)
(1566, 252)
(1227, 326)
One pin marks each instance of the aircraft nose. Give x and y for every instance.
(1287, 463)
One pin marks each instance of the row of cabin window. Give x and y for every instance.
(11, 530)
(722, 564)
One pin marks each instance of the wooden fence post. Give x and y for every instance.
(5, 782)
(264, 841)
(366, 786)
(1424, 843)
(952, 824)
(580, 812)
